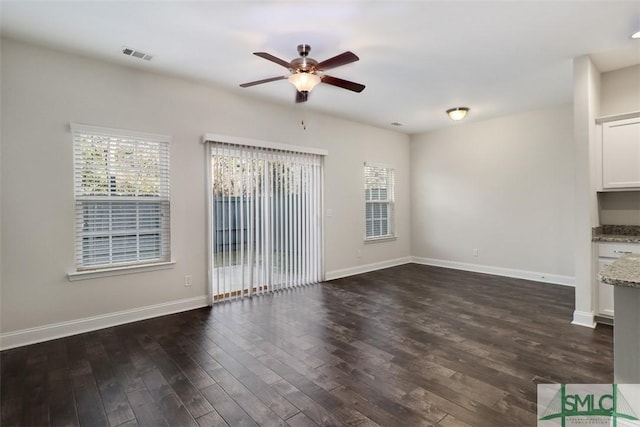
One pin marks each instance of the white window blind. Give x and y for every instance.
(379, 197)
(122, 207)
(266, 220)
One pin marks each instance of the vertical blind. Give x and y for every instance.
(121, 182)
(266, 231)
(379, 182)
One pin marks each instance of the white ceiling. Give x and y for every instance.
(417, 58)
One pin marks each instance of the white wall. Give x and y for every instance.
(620, 91)
(43, 90)
(586, 104)
(503, 186)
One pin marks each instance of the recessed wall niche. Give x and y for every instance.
(619, 208)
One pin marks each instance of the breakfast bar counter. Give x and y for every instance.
(624, 275)
(624, 272)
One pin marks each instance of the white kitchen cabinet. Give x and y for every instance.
(605, 292)
(607, 254)
(620, 152)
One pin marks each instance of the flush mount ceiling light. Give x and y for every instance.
(304, 82)
(457, 113)
(636, 35)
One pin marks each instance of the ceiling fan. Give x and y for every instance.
(306, 72)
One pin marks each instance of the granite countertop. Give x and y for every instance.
(623, 272)
(616, 233)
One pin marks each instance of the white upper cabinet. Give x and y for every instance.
(620, 154)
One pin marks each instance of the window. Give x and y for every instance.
(121, 187)
(378, 194)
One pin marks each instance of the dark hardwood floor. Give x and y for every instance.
(406, 346)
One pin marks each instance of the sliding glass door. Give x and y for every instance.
(266, 222)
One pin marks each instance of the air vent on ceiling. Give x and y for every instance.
(136, 54)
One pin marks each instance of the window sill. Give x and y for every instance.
(381, 239)
(117, 271)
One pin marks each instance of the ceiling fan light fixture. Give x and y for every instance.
(305, 73)
(304, 81)
(457, 113)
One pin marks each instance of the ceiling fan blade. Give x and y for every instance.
(272, 58)
(345, 84)
(338, 60)
(301, 97)
(258, 82)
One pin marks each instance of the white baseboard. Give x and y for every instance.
(352, 271)
(584, 318)
(64, 329)
(498, 271)
(59, 330)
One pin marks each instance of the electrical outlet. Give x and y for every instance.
(359, 253)
(187, 280)
(475, 251)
